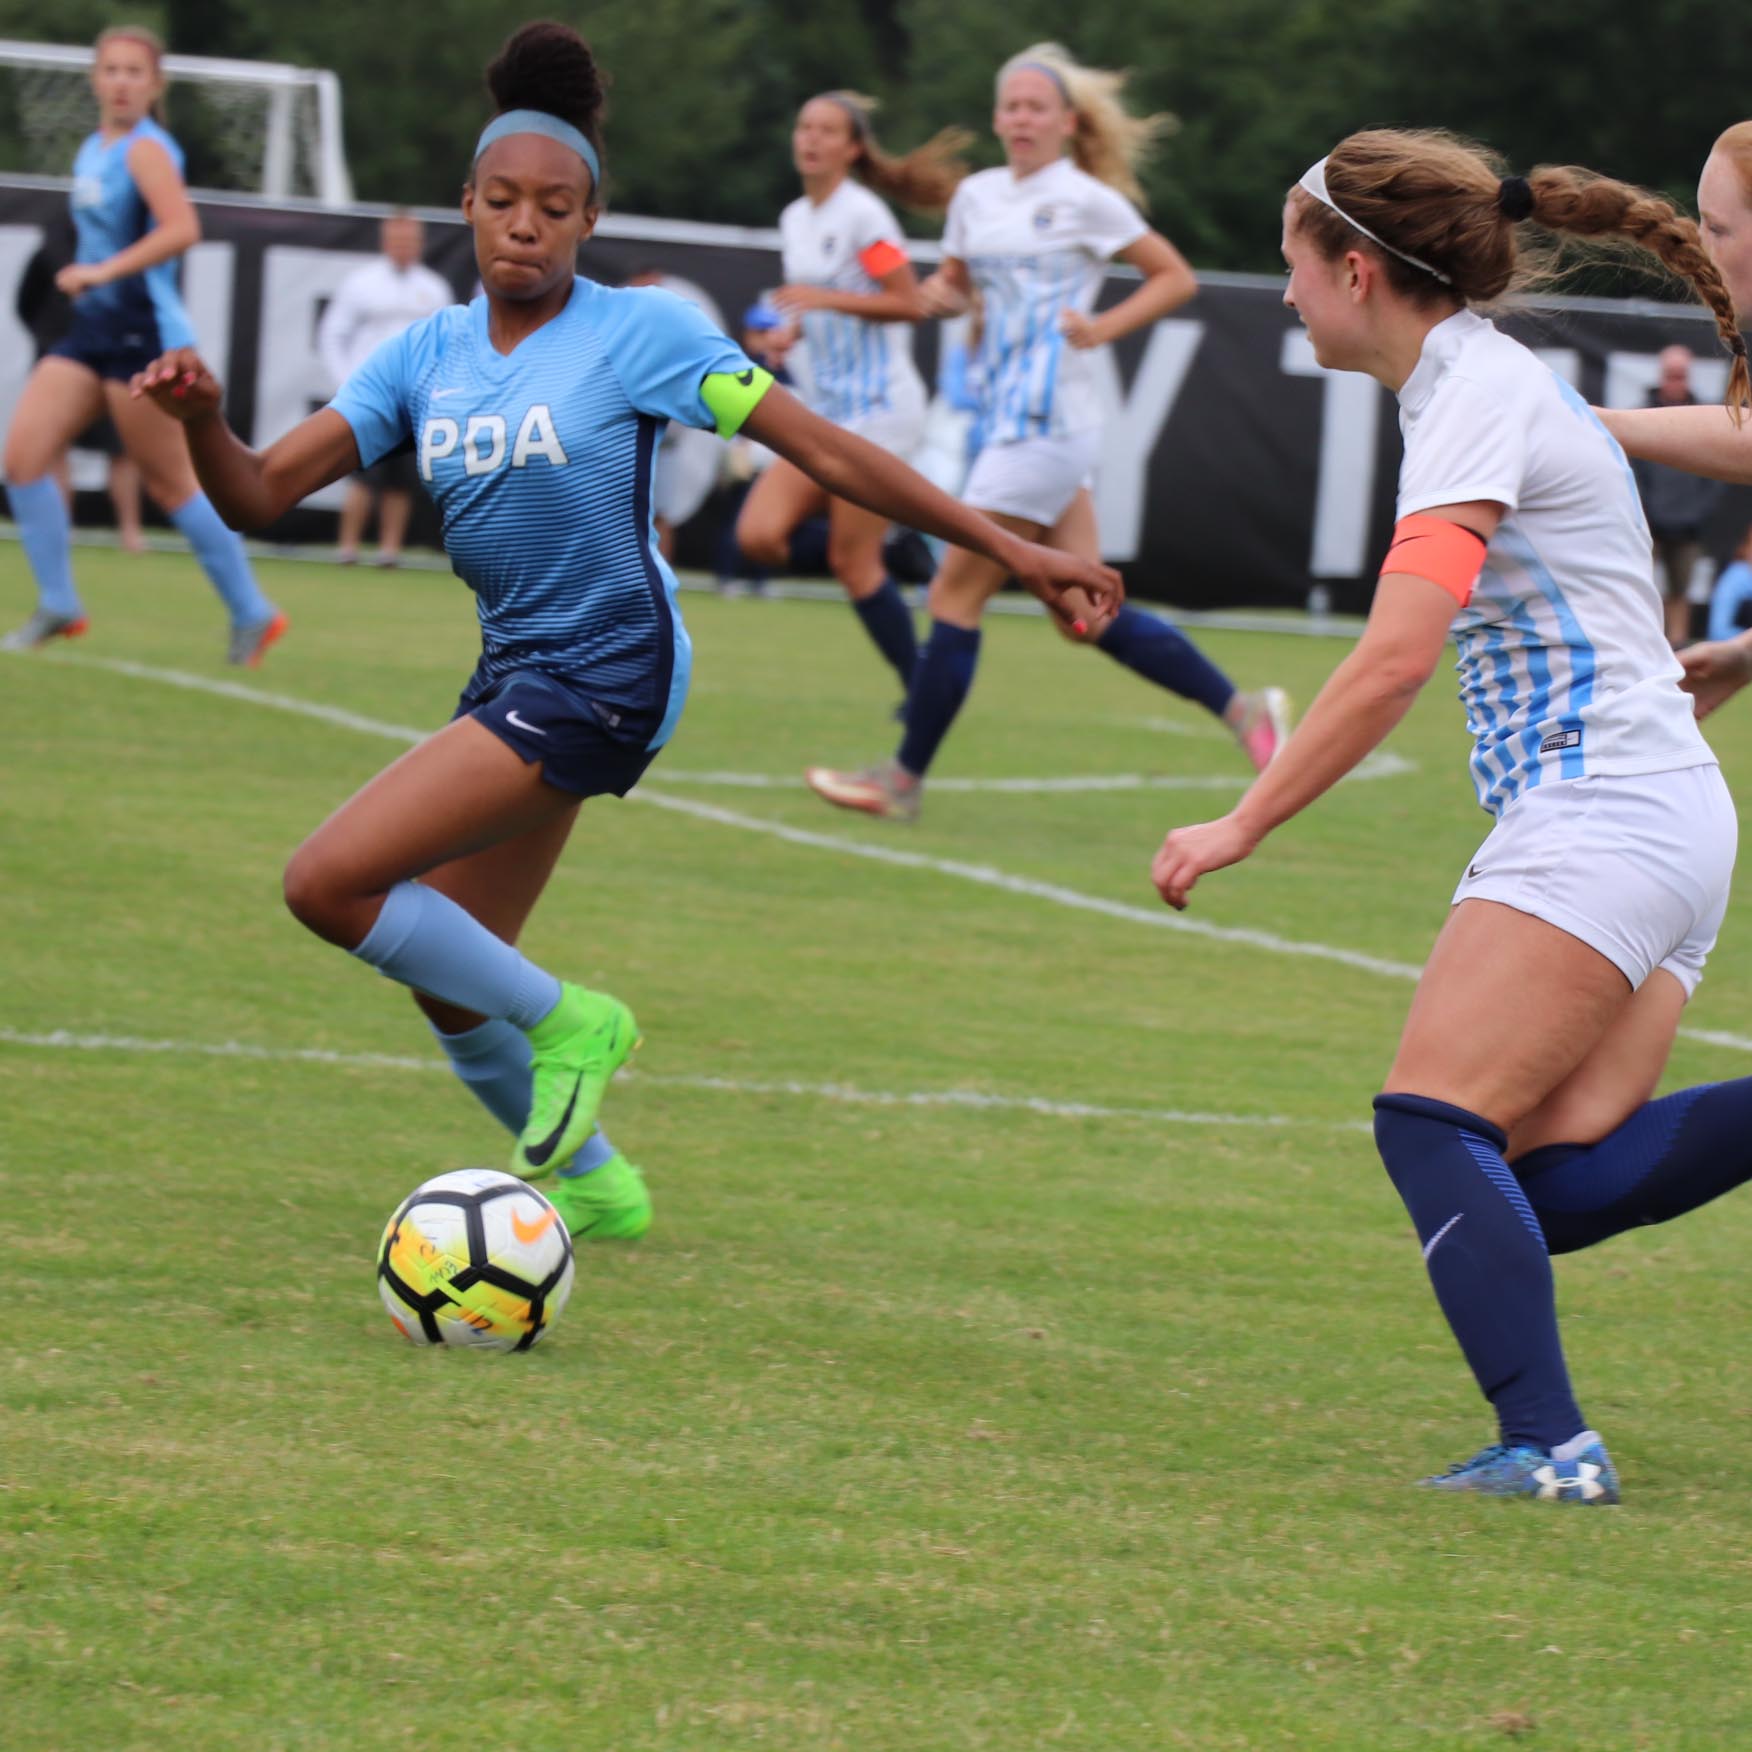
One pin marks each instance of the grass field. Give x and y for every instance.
(1076, 1410)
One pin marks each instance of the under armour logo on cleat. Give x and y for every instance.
(1585, 1482)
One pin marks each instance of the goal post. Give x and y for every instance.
(255, 126)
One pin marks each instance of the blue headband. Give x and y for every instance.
(1051, 73)
(528, 121)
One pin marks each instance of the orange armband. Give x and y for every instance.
(1434, 548)
(881, 259)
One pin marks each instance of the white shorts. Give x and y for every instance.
(899, 430)
(1034, 478)
(1637, 868)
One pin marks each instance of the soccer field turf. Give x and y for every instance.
(1030, 1350)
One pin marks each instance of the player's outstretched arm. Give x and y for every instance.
(250, 488)
(1362, 701)
(850, 467)
(1702, 440)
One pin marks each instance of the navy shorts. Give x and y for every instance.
(581, 744)
(114, 352)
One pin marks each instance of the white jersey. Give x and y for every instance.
(1564, 670)
(1037, 246)
(856, 369)
(373, 305)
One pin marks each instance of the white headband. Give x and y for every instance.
(1314, 183)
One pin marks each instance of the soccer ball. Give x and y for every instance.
(475, 1258)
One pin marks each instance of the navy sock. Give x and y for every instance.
(889, 622)
(939, 685)
(1486, 1258)
(1668, 1158)
(1163, 654)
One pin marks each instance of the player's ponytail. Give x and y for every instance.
(923, 178)
(1111, 144)
(1446, 220)
(547, 66)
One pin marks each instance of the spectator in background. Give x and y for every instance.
(46, 311)
(1676, 504)
(375, 304)
(1730, 605)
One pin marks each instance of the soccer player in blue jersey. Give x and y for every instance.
(535, 414)
(1034, 237)
(852, 297)
(1517, 1119)
(133, 220)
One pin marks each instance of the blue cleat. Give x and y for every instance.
(1587, 1476)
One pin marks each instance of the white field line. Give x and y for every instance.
(1380, 765)
(843, 1094)
(1156, 918)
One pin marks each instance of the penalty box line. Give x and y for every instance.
(1055, 894)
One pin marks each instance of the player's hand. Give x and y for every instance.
(942, 297)
(1079, 328)
(1716, 671)
(1191, 852)
(180, 383)
(79, 277)
(1050, 573)
(794, 300)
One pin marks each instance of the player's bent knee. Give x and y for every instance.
(315, 899)
(762, 544)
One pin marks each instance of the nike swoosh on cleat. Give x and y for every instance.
(539, 1155)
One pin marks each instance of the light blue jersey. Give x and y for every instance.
(109, 214)
(540, 464)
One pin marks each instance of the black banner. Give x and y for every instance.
(1234, 470)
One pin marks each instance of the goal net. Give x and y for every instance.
(253, 126)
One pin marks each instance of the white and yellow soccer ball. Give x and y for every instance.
(475, 1257)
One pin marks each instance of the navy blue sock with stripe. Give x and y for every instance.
(1487, 1261)
(1161, 653)
(889, 622)
(940, 683)
(1668, 1158)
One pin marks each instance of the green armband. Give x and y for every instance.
(730, 397)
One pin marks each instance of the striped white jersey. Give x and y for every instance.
(1036, 246)
(1564, 670)
(847, 243)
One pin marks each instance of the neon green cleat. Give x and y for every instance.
(610, 1203)
(578, 1047)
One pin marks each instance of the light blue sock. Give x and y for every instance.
(425, 940)
(41, 514)
(493, 1062)
(219, 548)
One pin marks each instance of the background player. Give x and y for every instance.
(133, 219)
(536, 412)
(373, 305)
(1035, 237)
(1517, 1118)
(852, 295)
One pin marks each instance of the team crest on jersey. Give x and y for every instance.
(88, 191)
(1043, 217)
(829, 244)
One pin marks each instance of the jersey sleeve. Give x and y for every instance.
(1112, 222)
(374, 400)
(1466, 445)
(955, 225)
(665, 351)
(878, 241)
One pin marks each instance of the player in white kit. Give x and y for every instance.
(1517, 1120)
(1035, 238)
(852, 297)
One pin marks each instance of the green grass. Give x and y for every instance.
(908, 1427)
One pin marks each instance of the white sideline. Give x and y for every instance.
(64, 1040)
(1157, 918)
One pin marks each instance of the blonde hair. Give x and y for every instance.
(1110, 143)
(1446, 201)
(1735, 145)
(923, 178)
